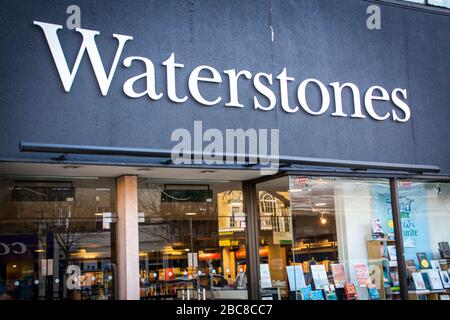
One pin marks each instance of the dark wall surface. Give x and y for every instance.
(327, 40)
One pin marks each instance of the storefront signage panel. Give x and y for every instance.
(262, 82)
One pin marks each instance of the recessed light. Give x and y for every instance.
(191, 213)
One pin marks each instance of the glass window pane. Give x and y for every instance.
(440, 3)
(425, 215)
(327, 238)
(55, 239)
(192, 240)
(417, 1)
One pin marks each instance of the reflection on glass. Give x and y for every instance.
(192, 241)
(55, 240)
(425, 220)
(326, 238)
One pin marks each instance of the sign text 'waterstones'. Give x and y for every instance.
(263, 83)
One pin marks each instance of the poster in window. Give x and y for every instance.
(362, 274)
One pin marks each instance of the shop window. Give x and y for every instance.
(334, 240)
(417, 1)
(425, 221)
(436, 3)
(439, 3)
(55, 240)
(192, 240)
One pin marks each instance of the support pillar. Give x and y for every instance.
(402, 273)
(127, 238)
(250, 208)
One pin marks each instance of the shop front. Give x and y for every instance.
(316, 236)
(195, 150)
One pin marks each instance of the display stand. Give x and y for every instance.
(429, 294)
(376, 251)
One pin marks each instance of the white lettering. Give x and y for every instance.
(89, 45)
(369, 103)
(264, 90)
(194, 78)
(301, 94)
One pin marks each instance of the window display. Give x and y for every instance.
(333, 234)
(192, 240)
(425, 221)
(55, 239)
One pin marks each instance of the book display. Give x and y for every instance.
(362, 274)
(430, 280)
(435, 265)
(350, 291)
(330, 293)
(317, 284)
(339, 275)
(434, 279)
(392, 252)
(319, 275)
(316, 295)
(306, 292)
(334, 239)
(377, 229)
(423, 260)
(419, 283)
(445, 279)
(444, 250)
(373, 292)
(382, 257)
(296, 277)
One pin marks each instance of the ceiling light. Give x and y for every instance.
(98, 214)
(191, 213)
(323, 220)
(320, 204)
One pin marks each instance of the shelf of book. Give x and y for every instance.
(429, 294)
(384, 260)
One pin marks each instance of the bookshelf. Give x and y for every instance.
(378, 260)
(429, 294)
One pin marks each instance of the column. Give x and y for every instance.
(127, 237)
(250, 209)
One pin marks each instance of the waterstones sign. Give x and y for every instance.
(365, 104)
